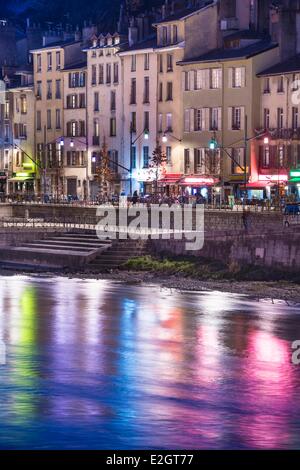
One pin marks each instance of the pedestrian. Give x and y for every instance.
(135, 197)
(245, 219)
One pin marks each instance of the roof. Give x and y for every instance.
(78, 65)
(149, 43)
(288, 66)
(232, 54)
(54, 45)
(184, 13)
(245, 34)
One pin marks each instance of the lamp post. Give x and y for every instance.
(132, 142)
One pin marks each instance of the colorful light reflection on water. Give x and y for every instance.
(97, 364)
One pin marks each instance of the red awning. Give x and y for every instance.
(259, 184)
(171, 178)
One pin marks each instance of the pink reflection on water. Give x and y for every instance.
(268, 381)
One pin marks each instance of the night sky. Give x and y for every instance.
(74, 11)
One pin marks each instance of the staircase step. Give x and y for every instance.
(25, 250)
(86, 240)
(58, 241)
(35, 246)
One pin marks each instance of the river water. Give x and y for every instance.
(95, 364)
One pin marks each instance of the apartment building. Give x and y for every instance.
(75, 176)
(105, 111)
(221, 101)
(139, 90)
(278, 163)
(48, 63)
(22, 158)
(6, 137)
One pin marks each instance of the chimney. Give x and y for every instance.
(287, 33)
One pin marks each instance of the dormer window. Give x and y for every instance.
(94, 42)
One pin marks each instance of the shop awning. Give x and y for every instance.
(171, 178)
(294, 181)
(21, 178)
(258, 184)
(199, 181)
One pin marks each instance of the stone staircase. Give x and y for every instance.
(117, 254)
(68, 250)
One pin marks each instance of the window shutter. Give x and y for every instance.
(243, 76)
(242, 118)
(219, 78)
(230, 110)
(199, 81)
(186, 120)
(184, 81)
(191, 79)
(192, 120)
(219, 119)
(206, 119)
(202, 119)
(230, 77)
(207, 79)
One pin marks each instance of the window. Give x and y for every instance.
(133, 91)
(49, 89)
(133, 122)
(295, 118)
(237, 77)
(96, 101)
(164, 35)
(133, 63)
(280, 85)
(133, 157)
(57, 119)
(186, 83)
(266, 85)
(58, 62)
(160, 91)
(146, 121)
(161, 63)
(160, 123)
(113, 129)
(113, 160)
(81, 79)
(49, 123)
(238, 160)
(49, 61)
(38, 121)
(58, 89)
(169, 153)
(23, 104)
(146, 90)
(199, 117)
(39, 63)
(215, 119)
(187, 161)
(175, 34)
(108, 73)
(169, 63)
(113, 100)
(169, 122)
(266, 118)
(266, 156)
(96, 140)
(216, 78)
(146, 61)
(236, 118)
(169, 91)
(116, 72)
(281, 155)
(101, 74)
(39, 90)
(199, 160)
(94, 75)
(279, 118)
(203, 79)
(145, 156)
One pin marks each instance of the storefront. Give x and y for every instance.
(294, 184)
(22, 184)
(3, 182)
(267, 187)
(169, 184)
(206, 186)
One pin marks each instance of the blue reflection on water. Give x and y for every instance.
(96, 364)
